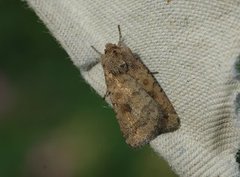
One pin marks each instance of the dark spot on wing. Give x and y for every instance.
(135, 93)
(145, 82)
(152, 94)
(118, 95)
(126, 108)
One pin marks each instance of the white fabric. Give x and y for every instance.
(192, 44)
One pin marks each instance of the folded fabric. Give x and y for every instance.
(193, 46)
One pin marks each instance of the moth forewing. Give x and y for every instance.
(138, 114)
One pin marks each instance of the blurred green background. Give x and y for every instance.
(52, 124)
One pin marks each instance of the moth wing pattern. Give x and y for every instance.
(140, 122)
(146, 80)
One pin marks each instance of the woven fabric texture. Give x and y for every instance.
(191, 44)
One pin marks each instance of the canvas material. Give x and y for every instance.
(191, 44)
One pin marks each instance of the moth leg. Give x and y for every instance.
(106, 94)
(154, 72)
(136, 56)
(89, 66)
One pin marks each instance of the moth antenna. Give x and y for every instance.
(120, 34)
(96, 50)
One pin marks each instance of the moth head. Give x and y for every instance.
(113, 59)
(112, 50)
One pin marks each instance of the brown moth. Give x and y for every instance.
(142, 107)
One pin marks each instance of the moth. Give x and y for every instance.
(142, 108)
